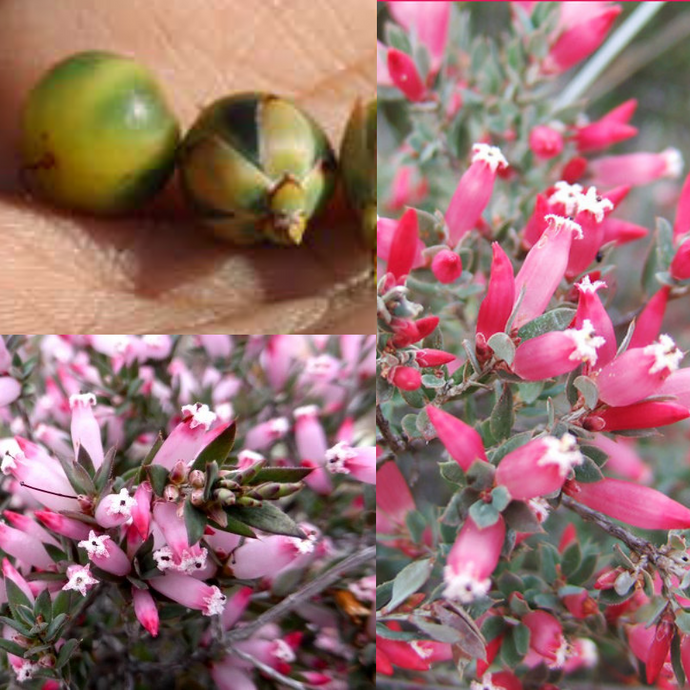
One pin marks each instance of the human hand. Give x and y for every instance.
(158, 270)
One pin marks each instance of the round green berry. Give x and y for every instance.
(98, 135)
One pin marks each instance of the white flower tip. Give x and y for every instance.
(674, 162)
(594, 203)
(120, 504)
(463, 587)
(279, 426)
(249, 457)
(422, 652)
(586, 343)
(306, 411)
(567, 195)
(164, 558)
(491, 155)
(337, 457)
(587, 286)
(561, 222)
(666, 354)
(80, 579)
(562, 452)
(200, 415)
(540, 508)
(95, 545)
(82, 400)
(215, 603)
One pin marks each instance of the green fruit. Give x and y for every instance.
(98, 135)
(358, 166)
(255, 167)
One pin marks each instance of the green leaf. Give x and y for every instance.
(521, 634)
(484, 514)
(409, 426)
(414, 399)
(424, 425)
(549, 560)
(56, 625)
(530, 391)
(153, 451)
(158, 476)
(105, 470)
(12, 647)
(384, 389)
(492, 627)
(66, 652)
(431, 381)
(555, 320)
(385, 632)
(595, 453)
(510, 445)
(452, 472)
(235, 526)
(503, 416)
(509, 653)
(61, 603)
(520, 518)
(571, 559)
(42, 606)
(195, 522)
(84, 459)
(383, 594)
(589, 390)
(211, 476)
(266, 517)
(500, 498)
(586, 569)
(16, 598)
(588, 472)
(409, 580)
(281, 475)
(21, 628)
(218, 449)
(683, 621)
(77, 476)
(503, 347)
(416, 524)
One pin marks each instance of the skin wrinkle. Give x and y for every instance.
(157, 271)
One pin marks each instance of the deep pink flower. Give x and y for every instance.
(659, 649)
(25, 523)
(428, 357)
(547, 642)
(636, 168)
(403, 246)
(621, 231)
(141, 510)
(682, 222)
(393, 496)
(405, 378)
(460, 440)
(67, 527)
(145, 610)
(641, 415)
(680, 266)
(385, 231)
(608, 130)
(538, 468)
(638, 372)
(557, 352)
(648, 324)
(545, 142)
(474, 190)
(497, 304)
(446, 266)
(639, 506)
(590, 308)
(472, 560)
(405, 76)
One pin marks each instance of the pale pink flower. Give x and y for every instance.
(80, 579)
(190, 592)
(145, 610)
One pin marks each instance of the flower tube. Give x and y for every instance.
(403, 246)
(648, 324)
(462, 442)
(106, 554)
(187, 438)
(145, 610)
(405, 75)
(608, 130)
(358, 462)
(496, 306)
(590, 308)
(642, 415)
(190, 592)
(636, 168)
(85, 429)
(547, 642)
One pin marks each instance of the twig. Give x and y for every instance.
(270, 672)
(309, 590)
(394, 443)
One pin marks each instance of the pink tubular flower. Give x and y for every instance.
(636, 168)
(682, 222)
(24, 547)
(385, 232)
(460, 440)
(141, 510)
(403, 246)
(659, 649)
(497, 305)
(115, 509)
(393, 496)
(406, 378)
(680, 266)
(446, 266)
(179, 554)
(80, 579)
(590, 308)
(678, 386)
(11, 573)
(9, 390)
(428, 357)
(85, 429)
(648, 324)
(406, 188)
(623, 460)
(538, 468)
(145, 610)
(408, 332)
(580, 38)
(608, 130)
(106, 554)
(190, 592)
(429, 21)
(621, 231)
(639, 506)
(187, 438)
(638, 372)
(472, 560)
(235, 607)
(312, 445)
(557, 352)
(67, 527)
(358, 462)
(474, 190)
(547, 642)
(267, 555)
(545, 142)
(216, 346)
(544, 268)
(24, 523)
(266, 434)
(642, 415)
(405, 76)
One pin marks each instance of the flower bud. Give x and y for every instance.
(460, 440)
(226, 497)
(446, 266)
(659, 649)
(249, 502)
(648, 324)
(197, 479)
(171, 493)
(680, 266)
(197, 497)
(496, 306)
(404, 246)
(406, 378)
(178, 474)
(608, 130)
(405, 76)
(642, 415)
(545, 142)
(429, 357)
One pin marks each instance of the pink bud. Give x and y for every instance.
(428, 357)
(405, 76)
(407, 189)
(557, 352)
(638, 372)
(24, 547)
(385, 232)
(462, 442)
(145, 610)
(446, 266)
(235, 607)
(545, 142)
(590, 308)
(659, 649)
(141, 510)
(544, 268)
(406, 378)
(393, 495)
(496, 306)
(680, 266)
(538, 468)
(636, 168)
(546, 638)
(622, 231)
(472, 560)
(312, 445)
(85, 429)
(404, 246)
(642, 415)
(67, 527)
(473, 191)
(608, 130)
(408, 332)
(639, 506)
(648, 324)
(536, 224)
(24, 523)
(190, 592)
(580, 40)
